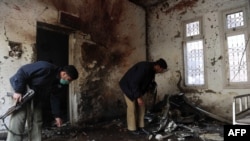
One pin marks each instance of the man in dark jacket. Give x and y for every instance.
(135, 84)
(42, 77)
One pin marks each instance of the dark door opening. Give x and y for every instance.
(52, 46)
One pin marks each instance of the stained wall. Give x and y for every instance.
(166, 39)
(110, 38)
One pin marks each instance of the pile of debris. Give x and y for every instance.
(181, 119)
(173, 118)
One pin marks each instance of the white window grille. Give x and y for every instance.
(192, 28)
(235, 20)
(237, 58)
(195, 65)
(236, 47)
(194, 54)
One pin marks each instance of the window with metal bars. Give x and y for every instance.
(193, 53)
(236, 47)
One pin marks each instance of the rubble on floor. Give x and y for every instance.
(116, 130)
(172, 120)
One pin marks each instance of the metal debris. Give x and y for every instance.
(179, 118)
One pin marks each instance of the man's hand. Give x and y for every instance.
(17, 97)
(140, 101)
(58, 122)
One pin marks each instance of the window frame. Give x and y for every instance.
(226, 12)
(193, 39)
(232, 32)
(196, 36)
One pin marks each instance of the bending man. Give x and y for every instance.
(135, 84)
(40, 76)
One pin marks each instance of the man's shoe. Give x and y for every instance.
(135, 132)
(143, 131)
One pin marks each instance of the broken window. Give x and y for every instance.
(236, 47)
(193, 53)
(237, 58)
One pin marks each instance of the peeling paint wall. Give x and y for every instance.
(165, 39)
(110, 39)
(18, 28)
(114, 40)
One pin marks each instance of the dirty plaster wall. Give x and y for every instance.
(119, 34)
(165, 39)
(18, 26)
(110, 39)
(113, 39)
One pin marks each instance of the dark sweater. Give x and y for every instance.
(136, 80)
(40, 76)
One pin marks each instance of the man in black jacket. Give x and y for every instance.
(135, 84)
(42, 77)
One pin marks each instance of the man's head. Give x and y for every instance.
(68, 74)
(160, 66)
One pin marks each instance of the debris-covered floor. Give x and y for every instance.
(116, 131)
(172, 119)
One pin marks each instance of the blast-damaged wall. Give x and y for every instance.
(17, 39)
(118, 43)
(113, 40)
(166, 39)
(110, 39)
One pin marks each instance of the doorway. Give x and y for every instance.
(52, 45)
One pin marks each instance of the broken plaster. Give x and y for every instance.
(15, 50)
(2, 100)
